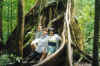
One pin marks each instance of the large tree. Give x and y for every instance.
(49, 13)
(20, 30)
(96, 33)
(1, 8)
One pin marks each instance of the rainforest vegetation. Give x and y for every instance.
(13, 29)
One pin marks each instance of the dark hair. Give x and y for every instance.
(45, 29)
(51, 29)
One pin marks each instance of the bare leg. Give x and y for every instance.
(48, 54)
(43, 55)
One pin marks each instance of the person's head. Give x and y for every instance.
(45, 31)
(39, 28)
(51, 31)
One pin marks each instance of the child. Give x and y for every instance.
(53, 41)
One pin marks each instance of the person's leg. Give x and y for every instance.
(51, 50)
(44, 54)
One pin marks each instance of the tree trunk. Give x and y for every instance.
(68, 19)
(1, 37)
(30, 21)
(8, 20)
(11, 23)
(20, 33)
(96, 34)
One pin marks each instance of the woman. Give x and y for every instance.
(53, 41)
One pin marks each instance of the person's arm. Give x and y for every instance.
(58, 41)
(33, 44)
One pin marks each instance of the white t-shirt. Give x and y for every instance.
(42, 43)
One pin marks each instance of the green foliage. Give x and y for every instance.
(10, 16)
(85, 15)
(29, 37)
(9, 58)
(28, 5)
(4, 59)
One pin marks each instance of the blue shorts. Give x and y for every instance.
(51, 48)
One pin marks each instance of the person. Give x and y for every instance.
(38, 32)
(53, 41)
(40, 50)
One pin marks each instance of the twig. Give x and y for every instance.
(55, 19)
(82, 52)
(35, 5)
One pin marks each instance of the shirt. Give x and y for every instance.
(42, 43)
(55, 38)
(38, 34)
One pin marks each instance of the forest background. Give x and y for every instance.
(84, 12)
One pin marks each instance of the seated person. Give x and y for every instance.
(40, 49)
(53, 41)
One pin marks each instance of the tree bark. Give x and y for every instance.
(11, 24)
(96, 34)
(20, 34)
(30, 21)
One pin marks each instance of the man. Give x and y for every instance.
(38, 32)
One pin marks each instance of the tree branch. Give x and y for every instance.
(35, 5)
(82, 52)
(55, 19)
